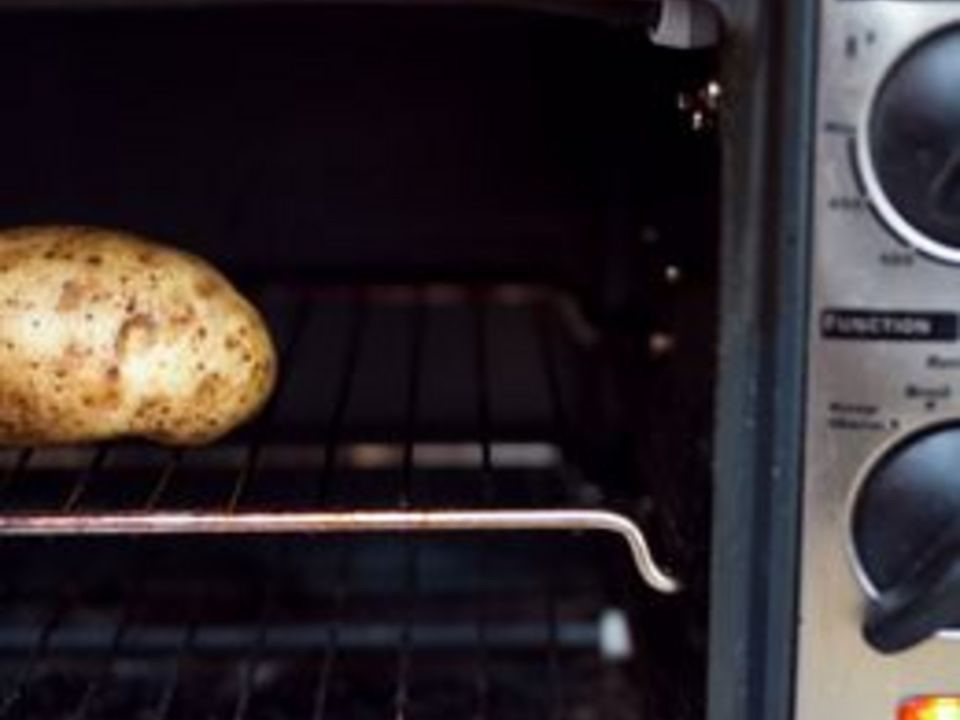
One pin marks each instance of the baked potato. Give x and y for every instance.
(104, 335)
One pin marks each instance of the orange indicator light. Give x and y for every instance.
(931, 708)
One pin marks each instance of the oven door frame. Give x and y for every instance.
(769, 82)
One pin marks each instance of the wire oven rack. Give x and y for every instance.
(204, 645)
(389, 381)
(413, 408)
(73, 659)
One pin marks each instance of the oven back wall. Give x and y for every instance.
(383, 142)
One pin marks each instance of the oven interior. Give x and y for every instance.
(486, 242)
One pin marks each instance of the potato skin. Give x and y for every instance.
(103, 335)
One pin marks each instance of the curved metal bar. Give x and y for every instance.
(353, 521)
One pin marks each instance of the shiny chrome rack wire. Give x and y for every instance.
(398, 341)
(172, 523)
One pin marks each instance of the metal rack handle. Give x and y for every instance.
(352, 521)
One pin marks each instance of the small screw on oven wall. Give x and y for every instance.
(661, 344)
(700, 106)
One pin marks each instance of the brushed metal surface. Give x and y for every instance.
(864, 395)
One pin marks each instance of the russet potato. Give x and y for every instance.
(104, 335)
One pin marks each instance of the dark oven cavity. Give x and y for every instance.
(486, 243)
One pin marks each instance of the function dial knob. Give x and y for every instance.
(906, 538)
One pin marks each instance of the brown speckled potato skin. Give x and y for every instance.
(104, 335)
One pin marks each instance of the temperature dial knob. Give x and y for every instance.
(909, 151)
(906, 533)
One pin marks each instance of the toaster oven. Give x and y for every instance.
(533, 276)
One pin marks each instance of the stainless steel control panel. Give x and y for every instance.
(884, 349)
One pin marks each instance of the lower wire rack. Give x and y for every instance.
(410, 650)
(283, 627)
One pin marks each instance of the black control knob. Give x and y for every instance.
(913, 146)
(906, 532)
